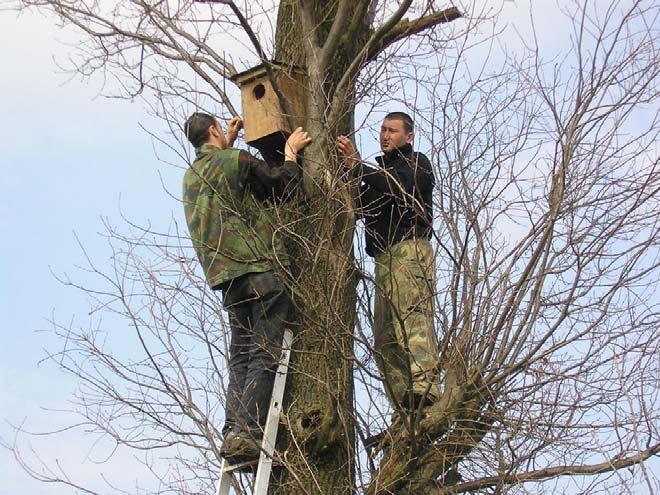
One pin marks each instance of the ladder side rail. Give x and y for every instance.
(224, 483)
(272, 421)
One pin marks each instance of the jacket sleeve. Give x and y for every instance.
(266, 182)
(415, 175)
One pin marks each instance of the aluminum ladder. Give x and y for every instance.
(265, 463)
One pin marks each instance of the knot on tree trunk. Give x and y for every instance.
(316, 430)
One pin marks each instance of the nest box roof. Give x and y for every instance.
(259, 71)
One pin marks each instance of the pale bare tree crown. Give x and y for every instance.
(546, 236)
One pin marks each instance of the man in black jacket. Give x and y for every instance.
(397, 209)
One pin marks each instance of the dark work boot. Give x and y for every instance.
(419, 401)
(240, 447)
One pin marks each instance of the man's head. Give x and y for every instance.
(202, 128)
(396, 131)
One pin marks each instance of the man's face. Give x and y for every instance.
(393, 135)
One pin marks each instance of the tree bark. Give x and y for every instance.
(318, 440)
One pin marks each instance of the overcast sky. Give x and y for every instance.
(68, 157)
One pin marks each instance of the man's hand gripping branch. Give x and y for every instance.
(346, 149)
(233, 126)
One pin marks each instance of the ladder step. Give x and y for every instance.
(247, 466)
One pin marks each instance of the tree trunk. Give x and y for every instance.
(318, 438)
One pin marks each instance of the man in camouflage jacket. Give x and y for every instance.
(397, 209)
(229, 197)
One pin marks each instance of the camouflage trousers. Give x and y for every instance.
(406, 349)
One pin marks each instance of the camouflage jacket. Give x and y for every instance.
(228, 198)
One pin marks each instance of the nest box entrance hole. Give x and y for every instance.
(259, 91)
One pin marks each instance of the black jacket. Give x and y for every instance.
(396, 200)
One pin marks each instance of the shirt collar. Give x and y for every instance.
(404, 151)
(205, 149)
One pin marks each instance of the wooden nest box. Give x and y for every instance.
(265, 123)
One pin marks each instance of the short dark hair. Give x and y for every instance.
(408, 124)
(197, 128)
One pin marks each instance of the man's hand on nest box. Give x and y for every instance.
(296, 142)
(233, 126)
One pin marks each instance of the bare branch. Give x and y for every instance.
(619, 462)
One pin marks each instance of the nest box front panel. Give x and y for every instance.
(261, 110)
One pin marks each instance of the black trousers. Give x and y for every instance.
(258, 305)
